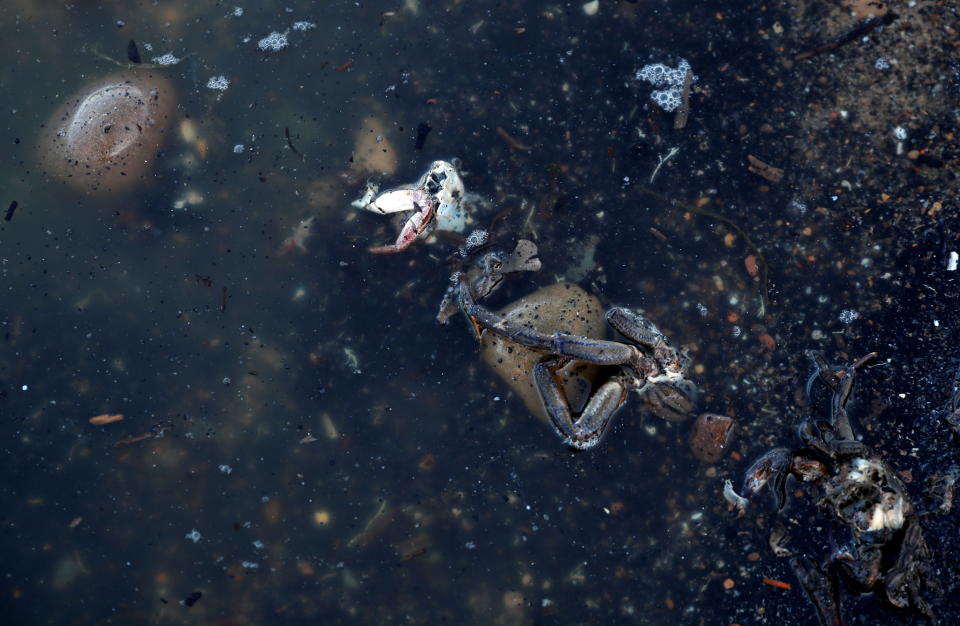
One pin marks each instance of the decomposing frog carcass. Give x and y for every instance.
(561, 362)
(433, 202)
(873, 523)
(482, 270)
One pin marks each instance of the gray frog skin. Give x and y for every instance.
(648, 366)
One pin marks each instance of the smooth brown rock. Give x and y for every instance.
(564, 307)
(104, 139)
(373, 152)
(711, 436)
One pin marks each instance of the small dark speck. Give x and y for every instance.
(192, 598)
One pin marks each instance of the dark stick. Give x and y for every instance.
(859, 31)
(286, 131)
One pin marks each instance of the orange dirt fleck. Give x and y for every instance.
(768, 342)
(106, 418)
(779, 584)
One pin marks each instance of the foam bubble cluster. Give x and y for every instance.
(219, 83)
(670, 79)
(166, 59)
(273, 42)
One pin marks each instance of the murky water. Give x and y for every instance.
(300, 440)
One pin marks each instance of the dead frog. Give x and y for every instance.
(550, 347)
(873, 521)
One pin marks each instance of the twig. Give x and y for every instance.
(512, 141)
(680, 117)
(286, 131)
(663, 160)
(863, 28)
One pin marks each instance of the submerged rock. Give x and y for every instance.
(564, 307)
(711, 436)
(104, 139)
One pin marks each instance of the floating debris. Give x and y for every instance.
(862, 29)
(329, 428)
(297, 240)
(779, 584)
(106, 418)
(512, 141)
(423, 129)
(734, 498)
(758, 167)
(286, 132)
(133, 53)
(374, 527)
(192, 599)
